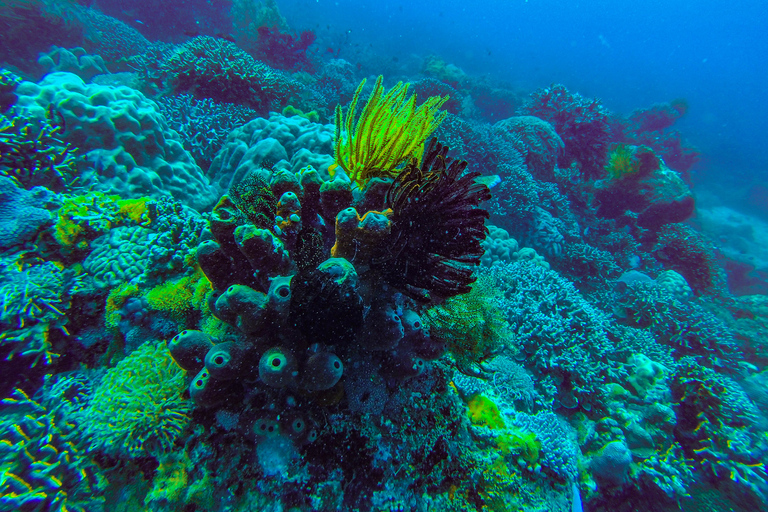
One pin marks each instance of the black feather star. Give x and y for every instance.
(437, 227)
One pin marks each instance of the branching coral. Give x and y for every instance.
(35, 156)
(391, 131)
(34, 299)
(219, 70)
(41, 468)
(437, 227)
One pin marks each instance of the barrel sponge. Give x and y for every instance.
(138, 408)
(322, 371)
(119, 256)
(277, 368)
(188, 349)
(242, 307)
(123, 135)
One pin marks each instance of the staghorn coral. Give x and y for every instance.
(437, 227)
(203, 124)
(563, 337)
(691, 254)
(686, 326)
(390, 132)
(31, 154)
(34, 300)
(138, 408)
(714, 422)
(42, 467)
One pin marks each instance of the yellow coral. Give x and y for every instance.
(115, 301)
(471, 324)
(390, 132)
(483, 412)
(520, 442)
(171, 479)
(83, 218)
(174, 297)
(135, 210)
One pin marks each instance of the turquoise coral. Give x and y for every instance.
(42, 468)
(138, 409)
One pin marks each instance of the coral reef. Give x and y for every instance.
(582, 123)
(289, 143)
(121, 136)
(209, 67)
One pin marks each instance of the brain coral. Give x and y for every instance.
(287, 142)
(119, 256)
(123, 136)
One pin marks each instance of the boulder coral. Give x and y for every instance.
(122, 136)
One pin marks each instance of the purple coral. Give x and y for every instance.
(582, 123)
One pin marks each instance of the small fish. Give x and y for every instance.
(191, 33)
(489, 181)
(226, 37)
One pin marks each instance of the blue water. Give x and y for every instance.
(628, 54)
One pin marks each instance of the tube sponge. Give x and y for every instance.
(277, 368)
(188, 349)
(228, 361)
(357, 237)
(215, 264)
(264, 251)
(325, 303)
(242, 307)
(322, 371)
(383, 324)
(279, 296)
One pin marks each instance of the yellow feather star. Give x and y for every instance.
(391, 131)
